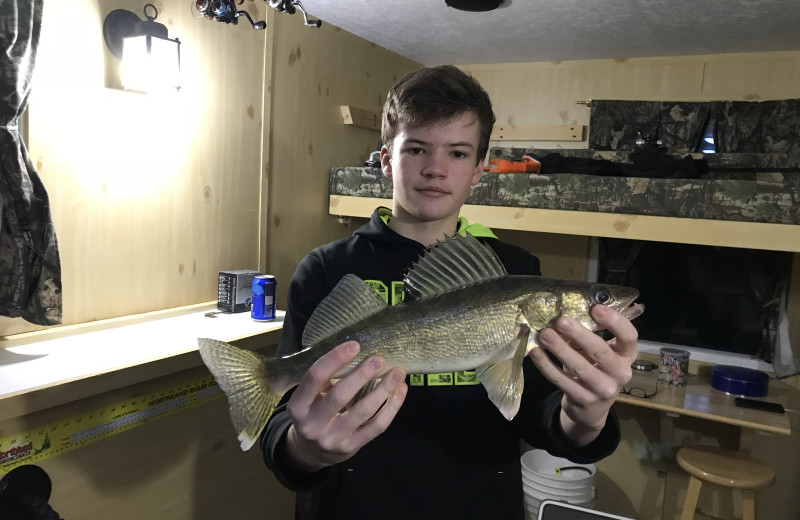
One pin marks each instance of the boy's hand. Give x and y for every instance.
(322, 432)
(594, 370)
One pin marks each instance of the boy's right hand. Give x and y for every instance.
(323, 433)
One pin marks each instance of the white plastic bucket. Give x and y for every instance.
(577, 492)
(547, 477)
(542, 468)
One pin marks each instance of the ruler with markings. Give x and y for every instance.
(63, 436)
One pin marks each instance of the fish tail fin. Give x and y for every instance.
(244, 377)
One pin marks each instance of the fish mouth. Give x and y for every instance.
(632, 311)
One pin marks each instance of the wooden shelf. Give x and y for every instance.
(726, 233)
(44, 370)
(699, 399)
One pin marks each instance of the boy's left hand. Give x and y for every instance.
(594, 370)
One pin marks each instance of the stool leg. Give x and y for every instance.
(692, 494)
(748, 504)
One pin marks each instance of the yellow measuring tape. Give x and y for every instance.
(62, 436)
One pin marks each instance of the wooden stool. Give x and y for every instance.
(725, 468)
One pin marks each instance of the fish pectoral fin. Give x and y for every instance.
(366, 389)
(504, 381)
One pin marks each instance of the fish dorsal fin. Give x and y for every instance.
(349, 302)
(453, 264)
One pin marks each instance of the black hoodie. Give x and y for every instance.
(449, 452)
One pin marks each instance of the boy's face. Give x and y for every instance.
(432, 168)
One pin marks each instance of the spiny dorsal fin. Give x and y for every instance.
(349, 302)
(453, 264)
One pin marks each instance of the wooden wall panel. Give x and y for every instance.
(562, 256)
(314, 72)
(151, 196)
(753, 77)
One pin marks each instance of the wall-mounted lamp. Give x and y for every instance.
(151, 61)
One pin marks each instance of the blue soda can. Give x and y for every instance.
(263, 306)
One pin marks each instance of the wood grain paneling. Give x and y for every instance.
(314, 72)
(151, 195)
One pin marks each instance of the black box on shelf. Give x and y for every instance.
(236, 290)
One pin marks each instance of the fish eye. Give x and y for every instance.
(602, 296)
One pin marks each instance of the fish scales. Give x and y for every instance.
(459, 330)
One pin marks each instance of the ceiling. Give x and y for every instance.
(431, 33)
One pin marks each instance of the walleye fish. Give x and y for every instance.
(466, 312)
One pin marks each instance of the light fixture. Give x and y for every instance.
(151, 61)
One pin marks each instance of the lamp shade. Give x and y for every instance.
(150, 63)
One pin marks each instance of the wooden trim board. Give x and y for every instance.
(538, 133)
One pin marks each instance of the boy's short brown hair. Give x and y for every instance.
(437, 94)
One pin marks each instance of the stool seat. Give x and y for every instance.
(725, 467)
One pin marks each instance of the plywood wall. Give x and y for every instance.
(314, 72)
(151, 196)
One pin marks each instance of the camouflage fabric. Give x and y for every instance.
(359, 182)
(30, 269)
(615, 125)
(758, 127)
(766, 197)
(738, 126)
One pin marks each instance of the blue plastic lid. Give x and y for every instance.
(739, 380)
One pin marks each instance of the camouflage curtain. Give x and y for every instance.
(758, 127)
(739, 126)
(30, 269)
(615, 125)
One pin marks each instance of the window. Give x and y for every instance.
(715, 299)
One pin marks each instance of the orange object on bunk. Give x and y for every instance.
(526, 165)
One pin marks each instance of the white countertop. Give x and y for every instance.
(47, 363)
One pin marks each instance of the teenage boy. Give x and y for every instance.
(427, 445)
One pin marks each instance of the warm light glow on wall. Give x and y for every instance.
(116, 147)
